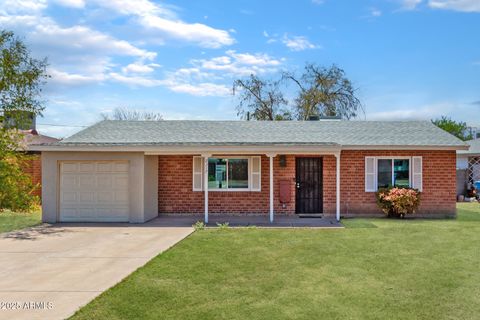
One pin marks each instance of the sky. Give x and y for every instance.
(409, 59)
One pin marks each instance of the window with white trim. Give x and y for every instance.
(228, 173)
(386, 172)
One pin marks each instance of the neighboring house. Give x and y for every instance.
(33, 166)
(468, 166)
(136, 170)
(28, 128)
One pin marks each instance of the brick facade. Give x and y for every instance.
(33, 167)
(175, 193)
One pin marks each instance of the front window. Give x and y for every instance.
(227, 173)
(393, 172)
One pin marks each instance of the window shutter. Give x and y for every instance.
(370, 174)
(255, 172)
(197, 174)
(417, 173)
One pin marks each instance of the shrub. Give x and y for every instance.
(16, 187)
(223, 226)
(398, 202)
(199, 225)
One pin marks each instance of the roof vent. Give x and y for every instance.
(319, 118)
(330, 118)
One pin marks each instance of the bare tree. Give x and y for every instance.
(260, 99)
(121, 113)
(324, 92)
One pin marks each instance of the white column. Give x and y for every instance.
(337, 207)
(205, 184)
(271, 156)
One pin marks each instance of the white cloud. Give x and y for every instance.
(73, 79)
(318, 1)
(140, 67)
(201, 89)
(24, 6)
(71, 3)
(204, 35)
(78, 54)
(298, 43)
(410, 4)
(135, 81)
(175, 84)
(84, 39)
(374, 12)
(206, 77)
(163, 22)
(239, 64)
(457, 5)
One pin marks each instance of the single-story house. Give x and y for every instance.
(468, 166)
(134, 171)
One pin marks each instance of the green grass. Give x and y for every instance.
(10, 221)
(400, 269)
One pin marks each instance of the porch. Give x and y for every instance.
(250, 183)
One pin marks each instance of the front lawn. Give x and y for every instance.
(15, 220)
(373, 269)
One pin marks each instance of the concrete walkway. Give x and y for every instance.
(48, 272)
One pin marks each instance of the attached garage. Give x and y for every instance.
(94, 191)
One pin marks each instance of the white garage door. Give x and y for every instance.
(94, 191)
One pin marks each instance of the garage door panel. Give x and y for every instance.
(121, 181)
(94, 191)
(68, 181)
(87, 167)
(121, 197)
(86, 181)
(104, 167)
(104, 181)
(88, 197)
(69, 197)
(120, 167)
(69, 167)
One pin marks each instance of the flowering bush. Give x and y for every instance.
(398, 202)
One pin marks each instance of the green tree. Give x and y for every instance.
(324, 92)
(21, 81)
(458, 128)
(260, 99)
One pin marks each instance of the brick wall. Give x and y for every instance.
(176, 195)
(33, 167)
(439, 182)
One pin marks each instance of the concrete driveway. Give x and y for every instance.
(48, 272)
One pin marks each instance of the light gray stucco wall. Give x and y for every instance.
(140, 209)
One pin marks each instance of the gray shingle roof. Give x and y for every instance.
(474, 147)
(178, 132)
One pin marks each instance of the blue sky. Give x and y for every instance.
(410, 59)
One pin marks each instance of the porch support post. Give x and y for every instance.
(205, 184)
(271, 156)
(337, 207)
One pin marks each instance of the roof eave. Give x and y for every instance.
(279, 148)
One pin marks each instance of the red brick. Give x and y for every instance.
(176, 195)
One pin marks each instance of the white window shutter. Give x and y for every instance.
(370, 174)
(417, 173)
(197, 174)
(255, 174)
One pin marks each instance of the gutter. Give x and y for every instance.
(248, 149)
